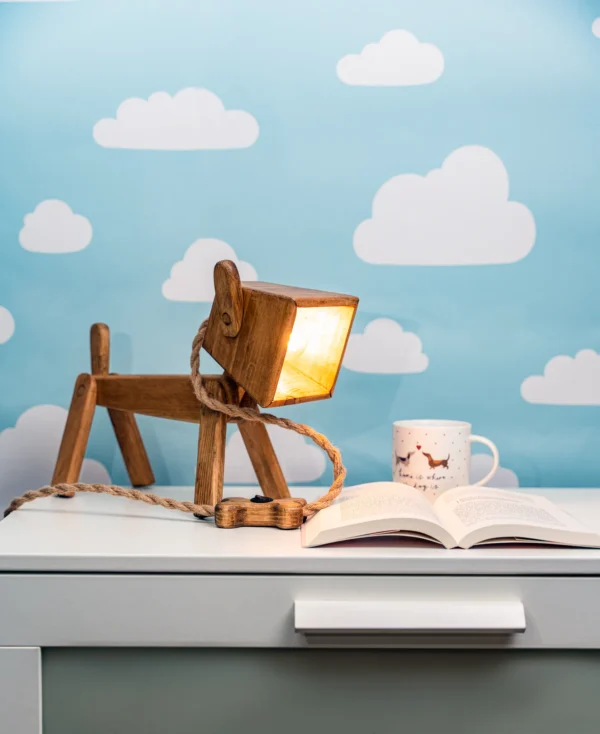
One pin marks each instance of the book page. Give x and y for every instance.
(476, 514)
(380, 507)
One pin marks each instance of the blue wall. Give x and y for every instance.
(488, 290)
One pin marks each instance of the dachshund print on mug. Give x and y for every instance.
(435, 455)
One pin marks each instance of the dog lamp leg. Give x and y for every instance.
(76, 433)
(212, 438)
(263, 457)
(123, 422)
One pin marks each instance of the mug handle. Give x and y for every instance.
(492, 447)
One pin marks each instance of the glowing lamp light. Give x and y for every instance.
(314, 353)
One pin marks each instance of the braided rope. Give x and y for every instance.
(131, 494)
(237, 413)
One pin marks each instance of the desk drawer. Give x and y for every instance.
(264, 611)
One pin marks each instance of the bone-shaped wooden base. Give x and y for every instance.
(238, 512)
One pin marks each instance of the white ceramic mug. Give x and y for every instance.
(435, 455)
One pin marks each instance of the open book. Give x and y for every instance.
(458, 518)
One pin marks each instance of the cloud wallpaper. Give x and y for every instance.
(440, 160)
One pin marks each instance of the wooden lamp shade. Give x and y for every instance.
(278, 345)
(283, 345)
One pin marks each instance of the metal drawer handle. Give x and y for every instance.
(437, 617)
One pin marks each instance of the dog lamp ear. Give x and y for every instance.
(229, 297)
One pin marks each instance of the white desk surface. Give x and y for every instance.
(103, 534)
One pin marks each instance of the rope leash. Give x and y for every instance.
(131, 494)
(237, 413)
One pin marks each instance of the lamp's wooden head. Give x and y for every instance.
(282, 344)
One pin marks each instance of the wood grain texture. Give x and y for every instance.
(262, 455)
(238, 512)
(100, 349)
(124, 424)
(254, 358)
(77, 431)
(162, 396)
(132, 448)
(302, 296)
(229, 297)
(210, 466)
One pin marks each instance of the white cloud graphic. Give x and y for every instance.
(54, 228)
(7, 325)
(301, 461)
(28, 453)
(566, 381)
(191, 119)
(481, 465)
(458, 214)
(192, 278)
(596, 27)
(397, 60)
(385, 348)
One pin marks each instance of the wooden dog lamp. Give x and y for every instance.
(278, 345)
